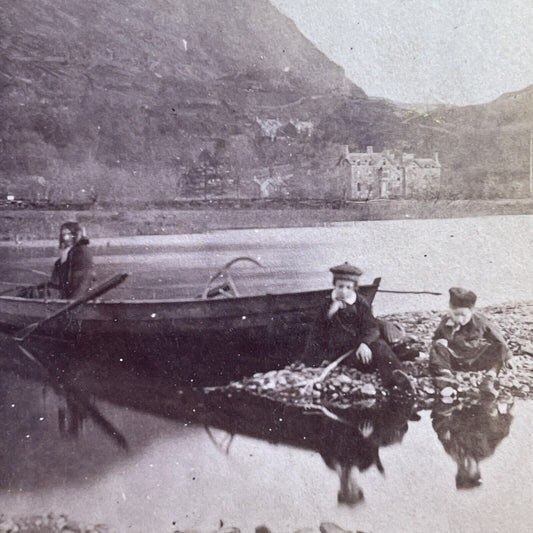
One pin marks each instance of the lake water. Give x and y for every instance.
(197, 460)
(491, 255)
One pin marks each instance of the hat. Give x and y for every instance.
(346, 271)
(460, 297)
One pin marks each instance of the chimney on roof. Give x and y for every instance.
(436, 157)
(346, 150)
(369, 149)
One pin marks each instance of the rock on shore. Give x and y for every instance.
(344, 386)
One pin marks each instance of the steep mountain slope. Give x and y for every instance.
(89, 86)
(135, 99)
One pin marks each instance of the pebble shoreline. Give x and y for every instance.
(62, 524)
(345, 386)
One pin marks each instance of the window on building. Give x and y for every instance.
(358, 187)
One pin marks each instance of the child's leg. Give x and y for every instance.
(385, 360)
(440, 359)
(489, 359)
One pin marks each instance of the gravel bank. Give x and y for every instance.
(303, 386)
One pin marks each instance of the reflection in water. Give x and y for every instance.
(351, 439)
(266, 448)
(70, 419)
(351, 442)
(358, 447)
(470, 434)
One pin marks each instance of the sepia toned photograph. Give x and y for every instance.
(265, 266)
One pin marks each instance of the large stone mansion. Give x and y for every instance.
(390, 174)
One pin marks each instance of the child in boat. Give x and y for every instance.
(73, 272)
(466, 340)
(345, 322)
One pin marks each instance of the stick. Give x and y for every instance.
(91, 294)
(328, 369)
(325, 411)
(334, 365)
(22, 269)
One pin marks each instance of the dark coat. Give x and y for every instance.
(479, 339)
(346, 330)
(73, 278)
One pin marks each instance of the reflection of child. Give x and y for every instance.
(469, 434)
(466, 340)
(345, 323)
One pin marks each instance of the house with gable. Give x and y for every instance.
(422, 176)
(388, 174)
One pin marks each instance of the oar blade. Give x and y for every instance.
(25, 332)
(93, 293)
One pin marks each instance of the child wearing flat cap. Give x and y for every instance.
(345, 322)
(466, 340)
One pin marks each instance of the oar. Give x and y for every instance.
(91, 295)
(78, 399)
(411, 292)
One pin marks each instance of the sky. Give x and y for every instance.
(457, 52)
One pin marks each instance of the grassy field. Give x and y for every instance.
(27, 224)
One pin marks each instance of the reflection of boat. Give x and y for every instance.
(220, 316)
(88, 392)
(346, 442)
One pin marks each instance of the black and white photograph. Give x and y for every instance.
(265, 266)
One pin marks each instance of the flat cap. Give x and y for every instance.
(346, 271)
(460, 297)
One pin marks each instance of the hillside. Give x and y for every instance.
(485, 148)
(164, 99)
(94, 89)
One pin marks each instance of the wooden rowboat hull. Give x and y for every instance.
(267, 319)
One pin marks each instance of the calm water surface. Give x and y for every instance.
(491, 255)
(196, 459)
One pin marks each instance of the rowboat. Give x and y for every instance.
(220, 317)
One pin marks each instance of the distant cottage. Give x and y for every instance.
(273, 128)
(390, 174)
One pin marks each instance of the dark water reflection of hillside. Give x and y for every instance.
(196, 458)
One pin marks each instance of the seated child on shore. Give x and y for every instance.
(466, 340)
(345, 322)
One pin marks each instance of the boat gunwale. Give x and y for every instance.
(136, 302)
